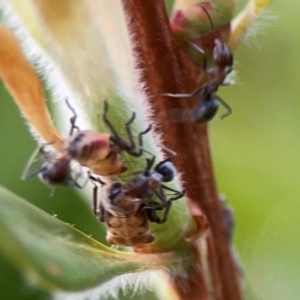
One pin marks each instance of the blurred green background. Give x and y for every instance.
(256, 158)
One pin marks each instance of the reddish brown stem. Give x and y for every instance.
(165, 70)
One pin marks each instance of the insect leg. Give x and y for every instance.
(176, 192)
(95, 191)
(193, 93)
(80, 186)
(226, 105)
(102, 212)
(140, 140)
(75, 179)
(31, 160)
(153, 217)
(35, 173)
(131, 145)
(95, 199)
(53, 189)
(115, 137)
(73, 119)
(150, 162)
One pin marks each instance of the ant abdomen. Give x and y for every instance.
(206, 110)
(86, 144)
(167, 170)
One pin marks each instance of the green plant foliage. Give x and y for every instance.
(54, 255)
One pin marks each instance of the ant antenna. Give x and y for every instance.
(39, 149)
(73, 119)
(31, 160)
(208, 16)
(196, 47)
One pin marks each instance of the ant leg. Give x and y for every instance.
(95, 191)
(73, 119)
(226, 105)
(176, 192)
(31, 160)
(96, 179)
(80, 186)
(35, 173)
(95, 199)
(161, 196)
(115, 136)
(177, 197)
(193, 93)
(131, 145)
(75, 179)
(102, 212)
(153, 216)
(166, 213)
(53, 189)
(140, 140)
(150, 162)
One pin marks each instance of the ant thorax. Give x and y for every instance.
(117, 203)
(88, 145)
(154, 180)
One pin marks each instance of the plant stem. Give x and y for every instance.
(166, 70)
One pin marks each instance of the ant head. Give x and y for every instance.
(167, 170)
(55, 171)
(222, 54)
(206, 111)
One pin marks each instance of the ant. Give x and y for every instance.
(127, 207)
(101, 152)
(125, 217)
(208, 100)
(55, 169)
(150, 183)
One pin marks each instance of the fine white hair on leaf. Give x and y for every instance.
(69, 60)
(264, 21)
(129, 284)
(43, 64)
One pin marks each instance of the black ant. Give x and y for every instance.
(208, 100)
(126, 207)
(101, 152)
(149, 183)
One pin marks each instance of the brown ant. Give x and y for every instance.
(125, 217)
(127, 207)
(55, 169)
(101, 152)
(149, 184)
(208, 100)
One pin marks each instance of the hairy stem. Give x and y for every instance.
(165, 70)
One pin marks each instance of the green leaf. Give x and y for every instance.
(169, 6)
(54, 255)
